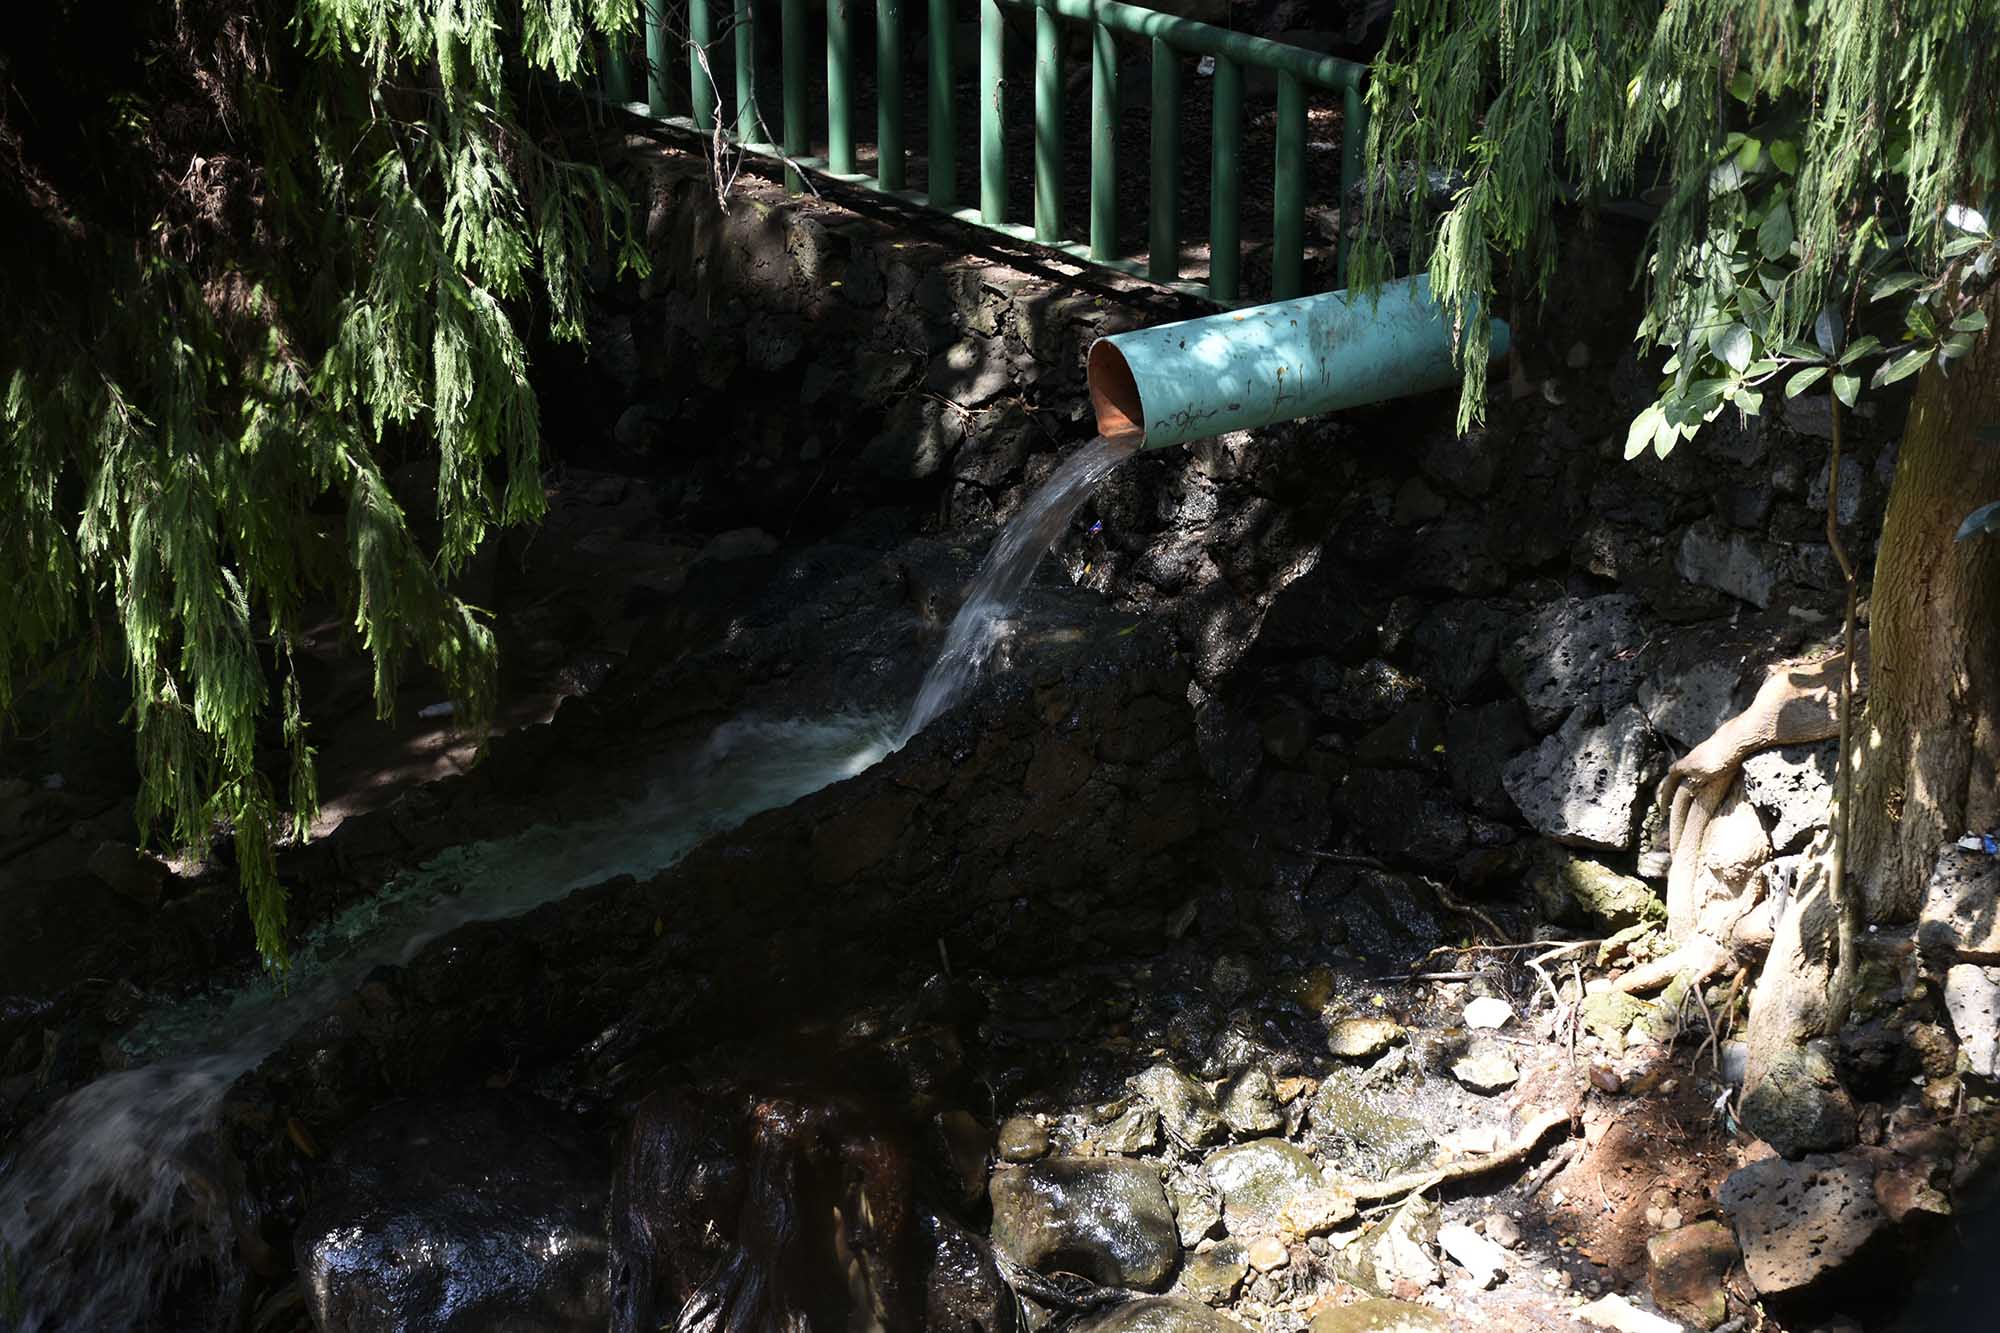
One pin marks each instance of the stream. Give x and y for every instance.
(95, 1223)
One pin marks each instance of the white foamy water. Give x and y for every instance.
(114, 1193)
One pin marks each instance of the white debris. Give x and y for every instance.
(445, 709)
(1615, 1312)
(1479, 1256)
(1488, 1012)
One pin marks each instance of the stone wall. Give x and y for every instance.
(1411, 643)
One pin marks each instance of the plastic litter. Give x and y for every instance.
(1981, 842)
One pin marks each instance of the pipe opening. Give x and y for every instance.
(1114, 394)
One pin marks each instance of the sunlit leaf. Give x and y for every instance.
(1861, 347)
(1894, 283)
(1640, 435)
(1786, 155)
(1847, 388)
(1904, 366)
(1733, 346)
(1804, 380)
(1966, 219)
(1970, 322)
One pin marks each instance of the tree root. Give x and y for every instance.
(1698, 958)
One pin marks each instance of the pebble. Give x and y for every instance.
(1268, 1253)
(1362, 1038)
(1488, 1012)
(1023, 1140)
(1503, 1230)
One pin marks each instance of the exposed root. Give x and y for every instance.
(1698, 959)
(1416, 1182)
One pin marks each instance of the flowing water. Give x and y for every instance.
(114, 1194)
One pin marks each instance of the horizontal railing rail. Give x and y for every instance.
(1172, 39)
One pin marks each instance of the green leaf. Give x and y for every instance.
(1742, 86)
(1981, 522)
(1774, 235)
(1847, 388)
(1921, 321)
(1971, 322)
(1904, 366)
(1759, 369)
(1749, 403)
(1828, 331)
(1640, 434)
(1962, 245)
(1861, 347)
(1894, 283)
(1786, 155)
(1804, 380)
(1733, 346)
(1748, 153)
(1966, 219)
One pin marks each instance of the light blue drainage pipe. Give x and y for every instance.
(1251, 367)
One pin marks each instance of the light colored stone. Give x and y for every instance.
(1503, 1230)
(1187, 1111)
(1620, 1315)
(1690, 703)
(1744, 567)
(1268, 1254)
(1486, 1069)
(1581, 785)
(1684, 1271)
(1258, 1181)
(1396, 1249)
(1362, 1038)
(1791, 786)
(1477, 1255)
(1797, 1222)
(1379, 1315)
(1488, 1011)
(1960, 919)
(1213, 1275)
(1197, 1210)
(1972, 998)
(1250, 1103)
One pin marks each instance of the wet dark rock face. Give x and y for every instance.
(471, 1214)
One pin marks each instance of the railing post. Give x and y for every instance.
(656, 57)
(941, 157)
(617, 71)
(1103, 143)
(1353, 142)
(1048, 123)
(992, 141)
(889, 94)
(1288, 194)
(839, 89)
(746, 76)
(792, 44)
(1225, 195)
(1163, 241)
(701, 88)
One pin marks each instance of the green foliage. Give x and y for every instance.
(201, 428)
(1798, 150)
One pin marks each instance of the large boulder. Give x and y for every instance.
(1581, 786)
(1800, 1222)
(458, 1215)
(1105, 1218)
(1576, 653)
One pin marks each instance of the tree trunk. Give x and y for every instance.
(1927, 753)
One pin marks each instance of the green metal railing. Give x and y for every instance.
(1172, 39)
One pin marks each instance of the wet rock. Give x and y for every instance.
(1685, 1268)
(1413, 738)
(1398, 1249)
(1197, 1211)
(458, 1215)
(1213, 1275)
(1107, 1219)
(1972, 998)
(1791, 786)
(1022, 1139)
(1798, 1222)
(1479, 744)
(1456, 646)
(1403, 816)
(1359, 1137)
(128, 872)
(1581, 786)
(964, 1291)
(1362, 1038)
(1573, 888)
(1158, 1314)
(1133, 1130)
(1960, 918)
(1486, 1069)
(739, 544)
(1380, 1315)
(1250, 1103)
(1229, 745)
(1798, 1106)
(1258, 1180)
(1186, 1110)
(1576, 652)
(1744, 567)
(967, 1145)
(1294, 807)
(1231, 977)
